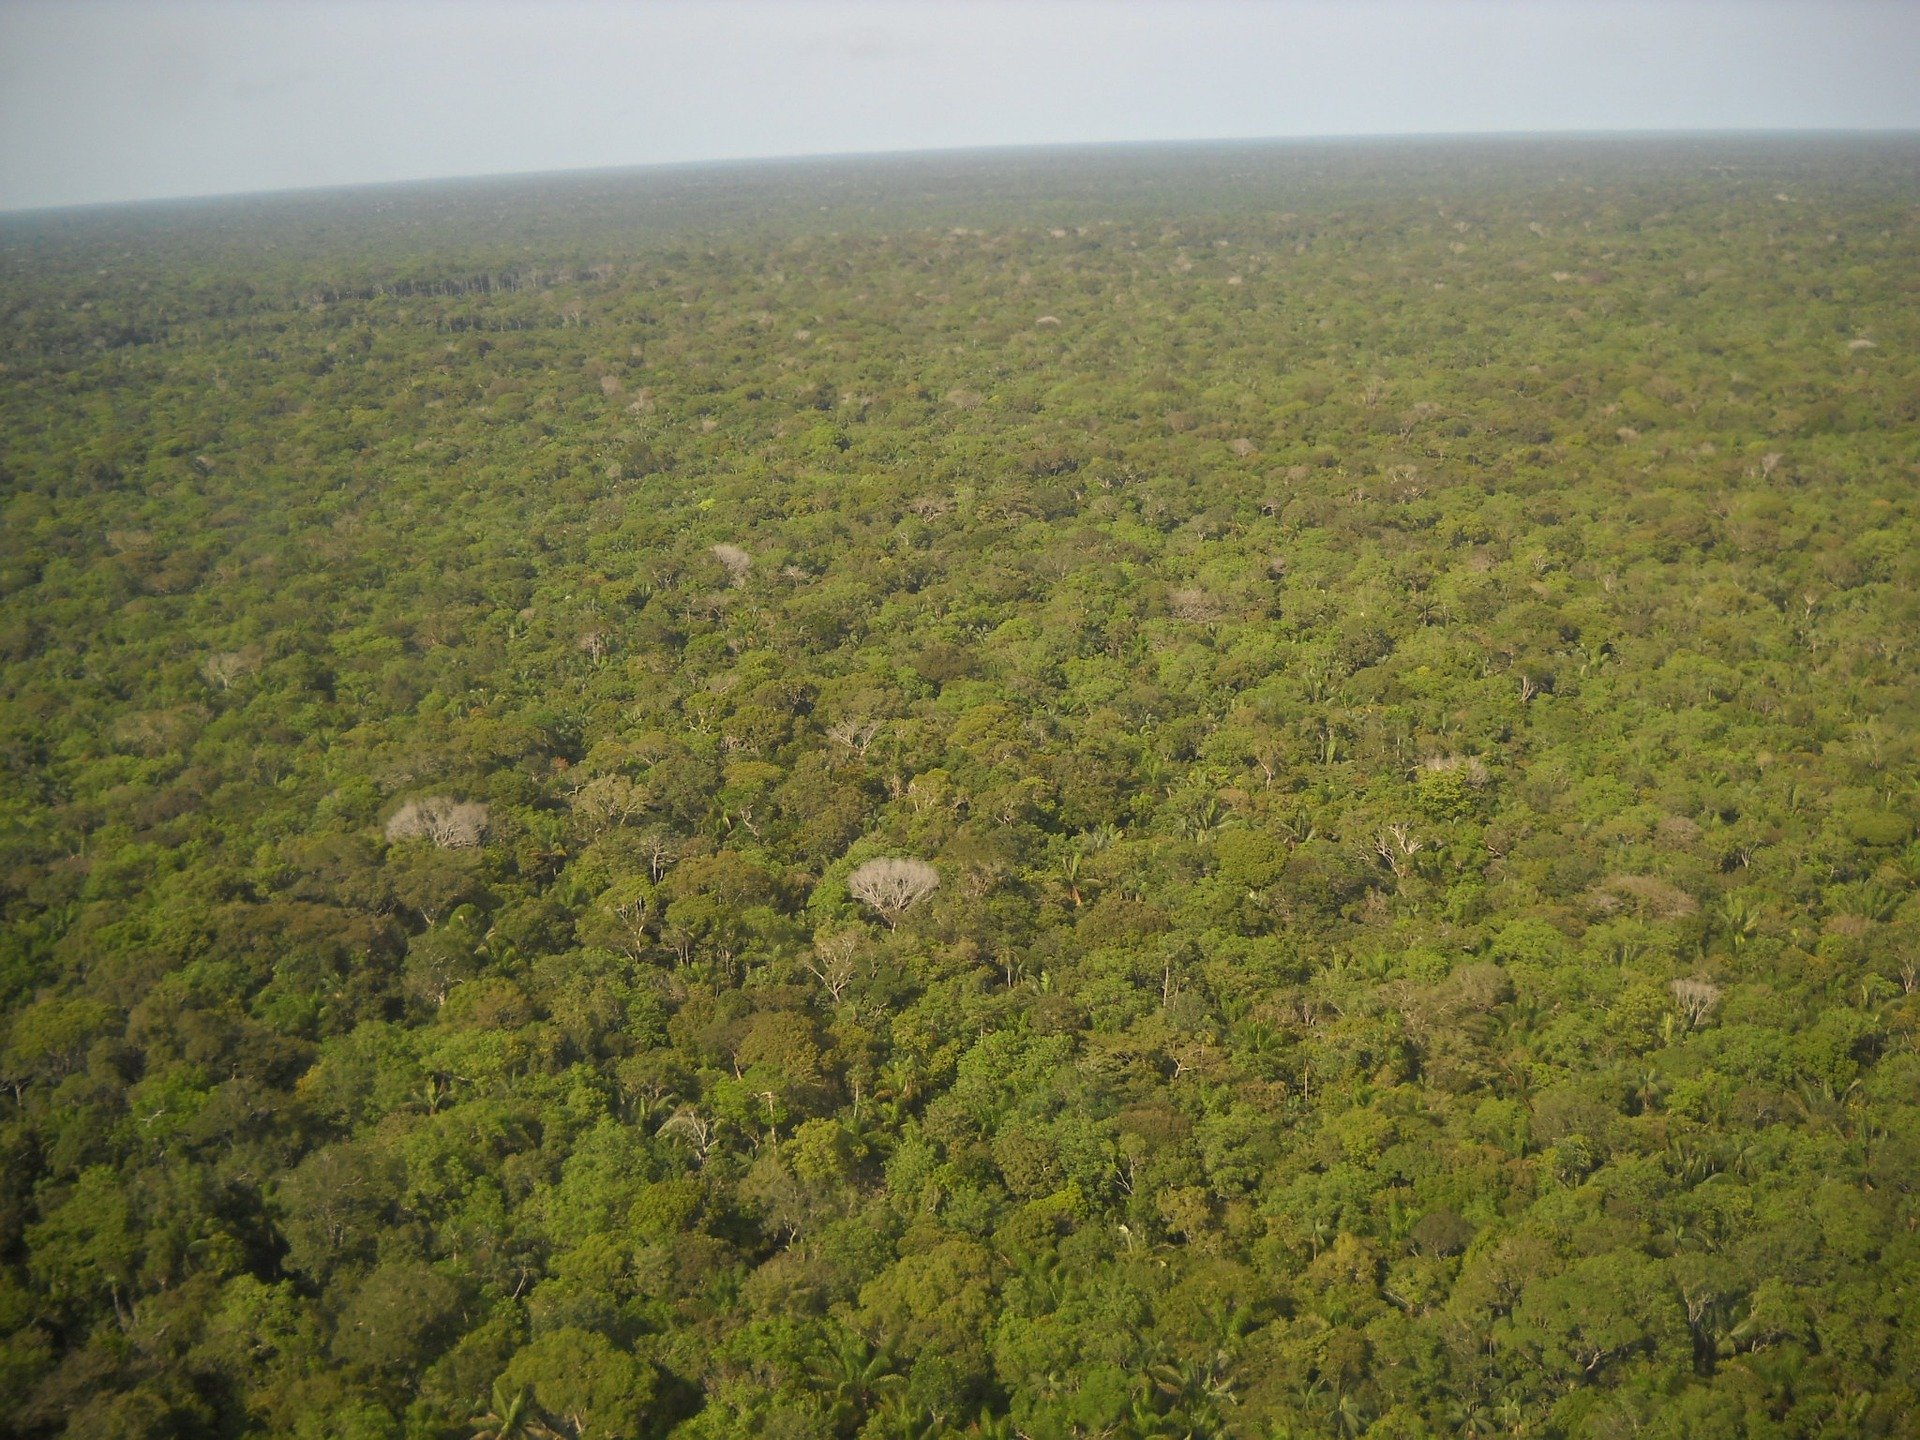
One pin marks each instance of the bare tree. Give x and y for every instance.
(223, 667)
(1269, 756)
(855, 733)
(661, 848)
(690, 1125)
(1696, 999)
(737, 561)
(1471, 768)
(1193, 604)
(451, 824)
(835, 960)
(893, 885)
(1397, 845)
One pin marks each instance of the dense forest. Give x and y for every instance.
(1259, 791)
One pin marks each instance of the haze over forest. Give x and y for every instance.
(113, 100)
(1240, 789)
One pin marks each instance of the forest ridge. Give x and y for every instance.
(1255, 790)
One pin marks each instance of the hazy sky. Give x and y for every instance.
(124, 99)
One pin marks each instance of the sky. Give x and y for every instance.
(108, 100)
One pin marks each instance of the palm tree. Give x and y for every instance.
(1470, 1418)
(1045, 1282)
(901, 1419)
(857, 1375)
(1821, 1105)
(513, 1416)
(1348, 1418)
(1179, 1399)
(1071, 865)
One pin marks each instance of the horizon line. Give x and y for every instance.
(483, 177)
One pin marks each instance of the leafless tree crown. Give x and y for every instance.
(856, 733)
(451, 824)
(835, 961)
(226, 666)
(736, 561)
(893, 885)
(1194, 604)
(1696, 999)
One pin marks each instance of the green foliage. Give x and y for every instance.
(1399, 657)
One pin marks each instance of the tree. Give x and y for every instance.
(1597, 1312)
(893, 885)
(589, 1389)
(440, 820)
(512, 1415)
(835, 960)
(1696, 999)
(399, 1318)
(735, 561)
